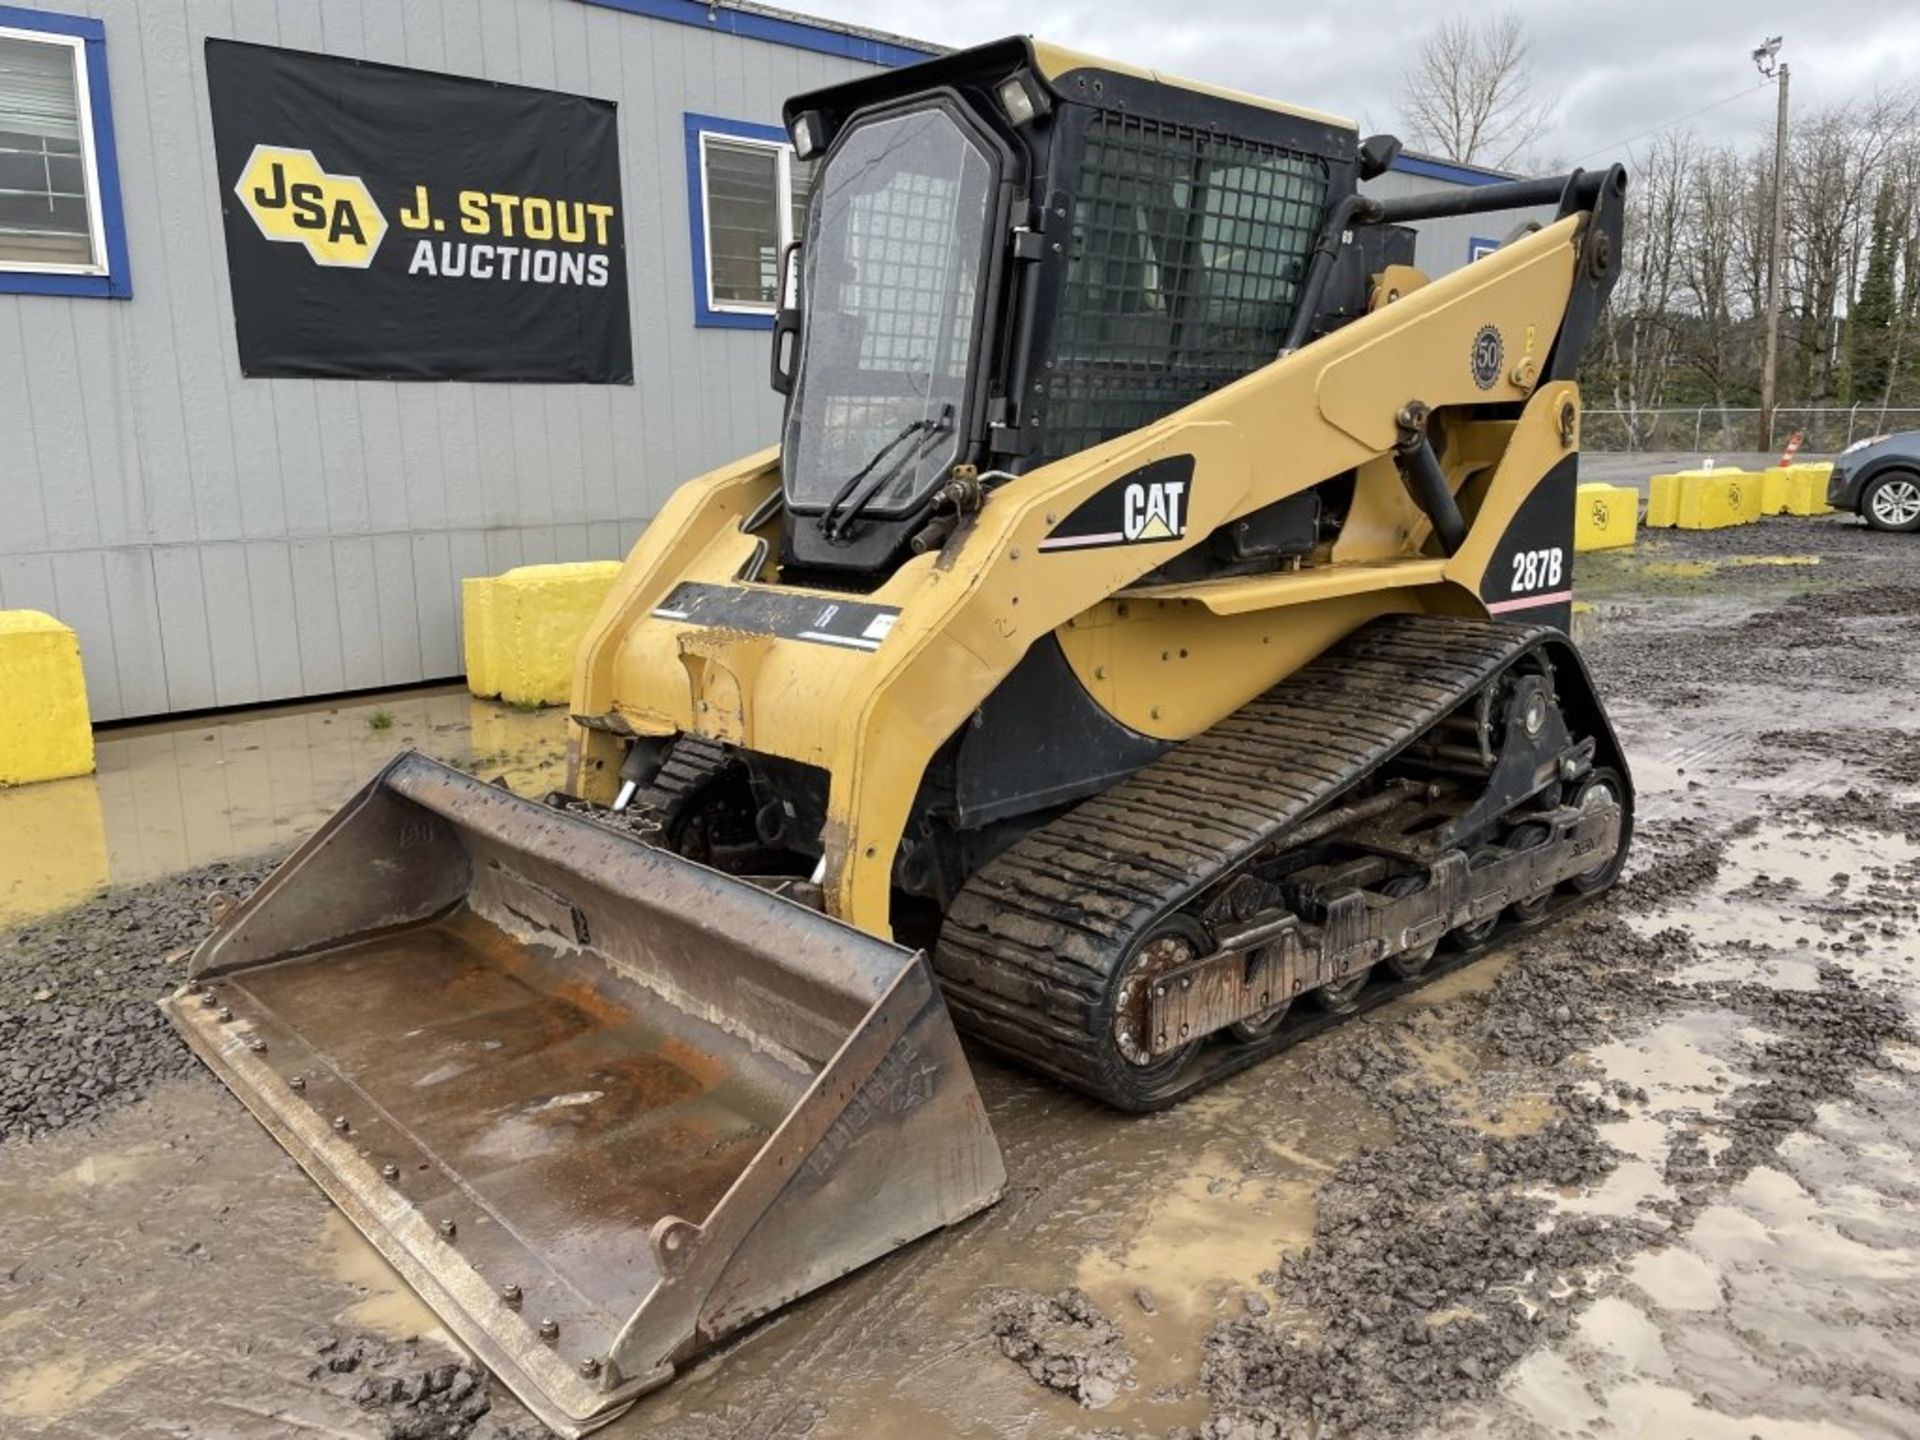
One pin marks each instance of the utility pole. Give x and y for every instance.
(1764, 59)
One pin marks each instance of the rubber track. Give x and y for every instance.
(1029, 945)
(690, 764)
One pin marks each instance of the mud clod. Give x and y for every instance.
(1065, 1342)
(411, 1398)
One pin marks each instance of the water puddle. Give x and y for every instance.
(1771, 1297)
(107, 1169)
(1785, 897)
(1564, 1399)
(1678, 569)
(1208, 1234)
(1681, 1062)
(1674, 1279)
(388, 1306)
(173, 795)
(1684, 1066)
(1700, 569)
(1786, 851)
(1786, 561)
(1212, 1231)
(1446, 1059)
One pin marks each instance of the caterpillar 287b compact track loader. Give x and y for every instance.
(1146, 645)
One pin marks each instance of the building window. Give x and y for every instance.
(60, 223)
(747, 197)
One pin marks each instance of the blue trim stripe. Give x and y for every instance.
(745, 129)
(1450, 171)
(795, 33)
(77, 27)
(117, 283)
(704, 315)
(106, 164)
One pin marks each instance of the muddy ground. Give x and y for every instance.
(1650, 1171)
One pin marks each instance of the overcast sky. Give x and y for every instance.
(1617, 67)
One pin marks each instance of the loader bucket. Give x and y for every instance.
(598, 1104)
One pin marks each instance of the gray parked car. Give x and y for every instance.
(1879, 480)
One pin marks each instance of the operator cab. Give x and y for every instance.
(1014, 253)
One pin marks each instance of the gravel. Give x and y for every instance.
(1438, 1258)
(1442, 1257)
(1884, 753)
(1825, 1040)
(1430, 1272)
(1842, 625)
(1678, 857)
(80, 1033)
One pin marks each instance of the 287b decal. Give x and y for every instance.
(1529, 574)
(1536, 578)
(1538, 570)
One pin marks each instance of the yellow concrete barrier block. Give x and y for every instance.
(45, 731)
(1605, 517)
(1807, 488)
(480, 632)
(1663, 501)
(524, 627)
(1715, 499)
(1773, 490)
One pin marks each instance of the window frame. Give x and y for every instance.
(709, 313)
(108, 274)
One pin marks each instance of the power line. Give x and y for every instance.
(1616, 145)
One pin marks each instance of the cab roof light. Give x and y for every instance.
(809, 134)
(1023, 98)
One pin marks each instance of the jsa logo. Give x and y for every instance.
(292, 199)
(1154, 511)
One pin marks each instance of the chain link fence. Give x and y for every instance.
(1715, 429)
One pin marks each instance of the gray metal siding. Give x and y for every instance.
(219, 541)
(1441, 246)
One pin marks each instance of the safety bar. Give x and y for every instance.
(1574, 192)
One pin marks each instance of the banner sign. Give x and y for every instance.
(393, 224)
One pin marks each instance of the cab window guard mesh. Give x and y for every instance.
(1188, 253)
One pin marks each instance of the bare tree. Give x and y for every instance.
(1685, 328)
(1468, 92)
(1710, 256)
(1905, 170)
(1835, 162)
(1644, 324)
(1753, 227)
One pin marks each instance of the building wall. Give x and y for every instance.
(1444, 245)
(220, 541)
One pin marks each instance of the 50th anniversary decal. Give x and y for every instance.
(391, 223)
